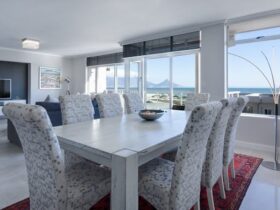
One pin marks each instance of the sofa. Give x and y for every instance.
(54, 112)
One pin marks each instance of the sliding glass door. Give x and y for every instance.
(162, 80)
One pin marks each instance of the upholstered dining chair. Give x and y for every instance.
(212, 171)
(230, 137)
(176, 185)
(109, 105)
(133, 102)
(194, 99)
(74, 109)
(50, 186)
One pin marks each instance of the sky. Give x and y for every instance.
(183, 70)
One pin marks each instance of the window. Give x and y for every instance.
(157, 84)
(184, 74)
(134, 77)
(106, 78)
(121, 78)
(92, 80)
(110, 78)
(245, 79)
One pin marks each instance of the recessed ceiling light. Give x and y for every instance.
(30, 44)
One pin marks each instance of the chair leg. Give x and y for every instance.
(210, 198)
(222, 187)
(197, 205)
(226, 178)
(232, 169)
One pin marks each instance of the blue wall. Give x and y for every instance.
(19, 74)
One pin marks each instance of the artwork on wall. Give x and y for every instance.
(49, 78)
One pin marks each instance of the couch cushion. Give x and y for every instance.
(51, 99)
(49, 106)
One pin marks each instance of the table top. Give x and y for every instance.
(130, 132)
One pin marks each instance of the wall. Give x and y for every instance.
(18, 73)
(257, 132)
(78, 74)
(213, 61)
(36, 60)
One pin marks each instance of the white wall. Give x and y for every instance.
(257, 131)
(213, 57)
(37, 60)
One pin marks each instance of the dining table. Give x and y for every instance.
(123, 143)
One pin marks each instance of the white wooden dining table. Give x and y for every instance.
(123, 144)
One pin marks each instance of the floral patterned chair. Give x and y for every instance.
(230, 137)
(133, 102)
(176, 185)
(213, 166)
(74, 109)
(194, 99)
(50, 186)
(109, 105)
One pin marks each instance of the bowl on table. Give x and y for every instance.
(151, 114)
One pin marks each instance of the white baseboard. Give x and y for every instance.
(256, 147)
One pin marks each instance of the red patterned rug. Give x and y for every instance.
(245, 167)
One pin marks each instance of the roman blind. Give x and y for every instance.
(105, 59)
(187, 41)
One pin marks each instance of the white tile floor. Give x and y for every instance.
(263, 193)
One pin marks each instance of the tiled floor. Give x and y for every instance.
(263, 193)
(13, 177)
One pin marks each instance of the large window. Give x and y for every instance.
(162, 80)
(244, 78)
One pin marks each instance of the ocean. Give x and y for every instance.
(178, 91)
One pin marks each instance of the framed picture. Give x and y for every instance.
(49, 78)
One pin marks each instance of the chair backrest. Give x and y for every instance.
(43, 158)
(195, 99)
(76, 108)
(213, 165)
(133, 102)
(230, 141)
(109, 105)
(186, 180)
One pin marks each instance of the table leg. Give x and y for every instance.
(124, 189)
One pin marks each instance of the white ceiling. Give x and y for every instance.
(73, 27)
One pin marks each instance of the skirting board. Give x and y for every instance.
(256, 147)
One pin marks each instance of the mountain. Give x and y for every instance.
(164, 84)
(134, 80)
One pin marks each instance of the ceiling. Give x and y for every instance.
(74, 27)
